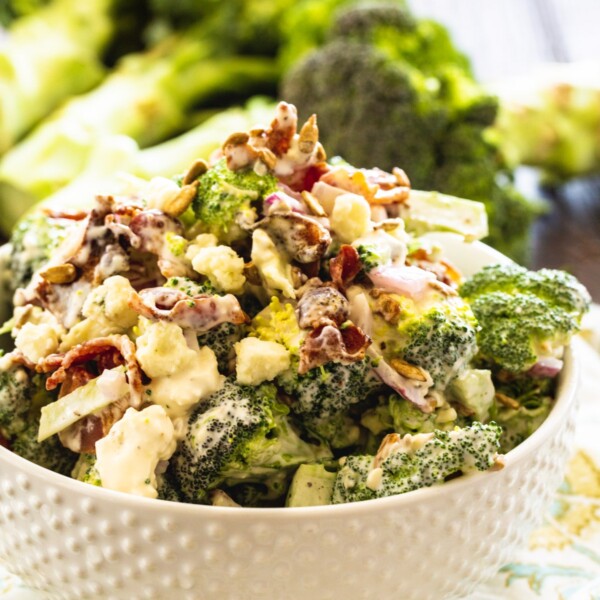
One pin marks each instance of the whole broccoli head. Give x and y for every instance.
(389, 91)
(240, 433)
(227, 198)
(524, 315)
(409, 463)
(374, 93)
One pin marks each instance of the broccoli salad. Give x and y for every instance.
(270, 328)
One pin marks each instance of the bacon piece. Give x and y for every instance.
(329, 344)
(81, 437)
(322, 305)
(345, 266)
(283, 128)
(94, 350)
(303, 238)
(199, 313)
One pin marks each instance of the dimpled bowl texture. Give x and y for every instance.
(73, 540)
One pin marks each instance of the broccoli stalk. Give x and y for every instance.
(412, 462)
(238, 435)
(48, 56)
(146, 97)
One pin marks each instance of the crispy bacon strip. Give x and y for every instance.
(199, 313)
(345, 266)
(329, 344)
(94, 350)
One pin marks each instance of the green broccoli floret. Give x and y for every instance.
(239, 434)
(394, 91)
(33, 241)
(409, 463)
(556, 287)
(524, 315)
(50, 453)
(441, 340)
(85, 470)
(323, 396)
(225, 198)
(16, 392)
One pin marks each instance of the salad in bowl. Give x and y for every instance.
(270, 329)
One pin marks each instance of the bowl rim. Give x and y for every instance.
(565, 398)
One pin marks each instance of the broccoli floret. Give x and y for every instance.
(239, 434)
(50, 453)
(225, 197)
(16, 392)
(409, 463)
(33, 241)
(524, 315)
(85, 470)
(322, 397)
(556, 287)
(441, 340)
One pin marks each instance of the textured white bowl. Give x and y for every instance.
(77, 541)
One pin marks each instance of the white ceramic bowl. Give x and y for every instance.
(77, 541)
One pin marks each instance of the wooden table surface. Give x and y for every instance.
(506, 39)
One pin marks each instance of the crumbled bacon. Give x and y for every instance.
(329, 344)
(199, 313)
(322, 305)
(283, 128)
(345, 266)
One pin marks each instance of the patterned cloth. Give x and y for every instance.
(562, 560)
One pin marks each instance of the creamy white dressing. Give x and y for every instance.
(195, 379)
(128, 456)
